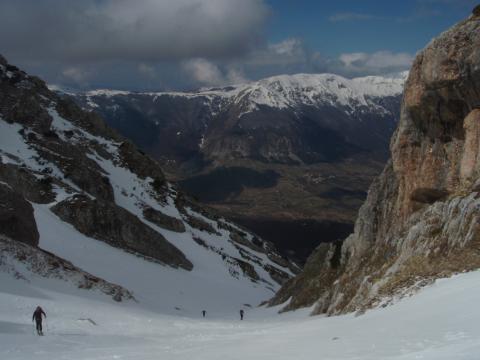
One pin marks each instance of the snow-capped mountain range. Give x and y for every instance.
(287, 91)
(193, 118)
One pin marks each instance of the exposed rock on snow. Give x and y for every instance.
(118, 227)
(34, 188)
(25, 261)
(163, 221)
(16, 217)
(421, 219)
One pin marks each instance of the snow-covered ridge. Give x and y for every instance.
(368, 85)
(288, 91)
(306, 89)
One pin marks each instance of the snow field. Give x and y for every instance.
(440, 322)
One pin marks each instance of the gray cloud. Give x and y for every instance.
(164, 44)
(140, 30)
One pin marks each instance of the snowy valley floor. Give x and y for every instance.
(441, 322)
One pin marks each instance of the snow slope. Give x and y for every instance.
(440, 322)
(155, 286)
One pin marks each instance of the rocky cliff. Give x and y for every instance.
(421, 219)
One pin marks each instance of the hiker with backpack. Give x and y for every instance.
(37, 316)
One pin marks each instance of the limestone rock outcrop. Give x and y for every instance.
(421, 219)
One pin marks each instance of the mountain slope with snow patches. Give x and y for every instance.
(91, 199)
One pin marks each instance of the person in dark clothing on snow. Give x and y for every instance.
(241, 314)
(37, 316)
(204, 313)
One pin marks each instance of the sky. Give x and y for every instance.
(186, 44)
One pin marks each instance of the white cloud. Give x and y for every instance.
(204, 72)
(290, 56)
(350, 59)
(272, 56)
(375, 63)
(235, 75)
(207, 73)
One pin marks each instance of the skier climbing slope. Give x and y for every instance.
(37, 317)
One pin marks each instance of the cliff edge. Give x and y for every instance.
(421, 219)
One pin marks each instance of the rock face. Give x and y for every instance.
(16, 217)
(118, 227)
(39, 262)
(164, 221)
(32, 188)
(421, 219)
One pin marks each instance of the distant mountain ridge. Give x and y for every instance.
(190, 116)
(284, 91)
